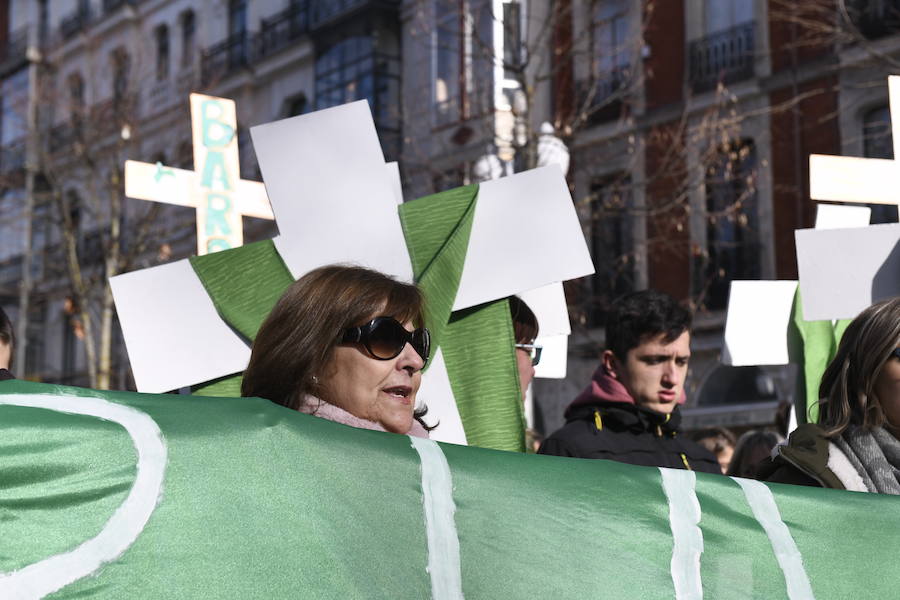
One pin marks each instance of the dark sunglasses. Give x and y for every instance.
(385, 338)
(896, 353)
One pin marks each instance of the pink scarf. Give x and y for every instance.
(319, 408)
(604, 387)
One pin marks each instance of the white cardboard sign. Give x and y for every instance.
(332, 194)
(842, 271)
(756, 328)
(839, 216)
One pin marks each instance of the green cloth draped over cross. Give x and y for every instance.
(477, 343)
(240, 498)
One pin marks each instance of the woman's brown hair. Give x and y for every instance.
(846, 395)
(296, 341)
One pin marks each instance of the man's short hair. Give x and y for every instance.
(7, 336)
(640, 315)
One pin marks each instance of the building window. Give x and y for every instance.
(612, 243)
(237, 17)
(121, 65)
(725, 54)
(188, 27)
(354, 69)
(879, 143)
(76, 103)
(448, 59)
(512, 40)
(296, 105)
(874, 19)
(162, 52)
(721, 15)
(613, 45)
(732, 226)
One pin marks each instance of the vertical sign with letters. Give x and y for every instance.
(214, 124)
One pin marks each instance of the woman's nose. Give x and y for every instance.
(409, 359)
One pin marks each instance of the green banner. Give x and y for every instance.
(123, 495)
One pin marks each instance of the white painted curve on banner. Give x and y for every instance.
(440, 526)
(684, 518)
(123, 528)
(764, 508)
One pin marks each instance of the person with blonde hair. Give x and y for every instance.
(855, 445)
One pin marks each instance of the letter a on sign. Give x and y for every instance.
(214, 123)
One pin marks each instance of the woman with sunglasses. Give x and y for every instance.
(346, 344)
(855, 445)
(525, 329)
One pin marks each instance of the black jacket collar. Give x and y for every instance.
(620, 416)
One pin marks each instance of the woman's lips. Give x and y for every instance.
(403, 393)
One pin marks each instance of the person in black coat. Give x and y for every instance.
(7, 344)
(629, 412)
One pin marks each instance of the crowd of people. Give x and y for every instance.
(349, 344)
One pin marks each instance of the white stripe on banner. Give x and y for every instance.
(51, 574)
(764, 508)
(440, 527)
(684, 517)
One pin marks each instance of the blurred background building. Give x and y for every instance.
(688, 125)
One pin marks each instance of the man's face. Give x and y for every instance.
(654, 371)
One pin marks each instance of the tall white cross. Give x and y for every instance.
(214, 188)
(860, 180)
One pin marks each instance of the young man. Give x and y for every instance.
(7, 343)
(629, 412)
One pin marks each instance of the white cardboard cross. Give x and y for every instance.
(215, 189)
(335, 202)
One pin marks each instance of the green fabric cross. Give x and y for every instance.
(244, 284)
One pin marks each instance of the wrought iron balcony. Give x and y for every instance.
(327, 12)
(76, 22)
(723, 57)
(221, 59)
(282, 29)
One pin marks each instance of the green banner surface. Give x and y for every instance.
(195, 497)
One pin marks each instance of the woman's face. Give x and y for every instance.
(382, 391)
(526, 369)
(887, 390)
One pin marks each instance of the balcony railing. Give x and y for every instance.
(326, 12)
(282, 29)
(223, 58)
(75, 23)
(723, 57)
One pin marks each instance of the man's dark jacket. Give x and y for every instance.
(630, 434)
(4, 375)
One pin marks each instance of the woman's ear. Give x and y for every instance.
(610, 363)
